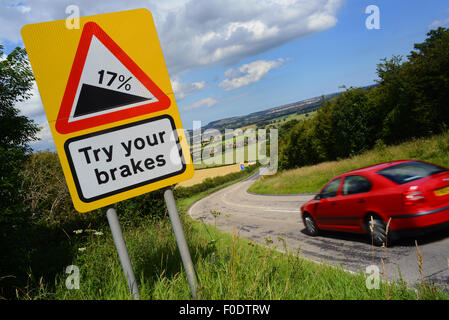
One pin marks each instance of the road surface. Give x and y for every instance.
(256, 217)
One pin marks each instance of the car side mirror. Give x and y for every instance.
(317, 197)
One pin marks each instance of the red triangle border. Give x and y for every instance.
(63, 125)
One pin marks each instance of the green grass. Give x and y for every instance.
(228, 267)
(248, 156)
(311, 179)
(202, 165)
(294, 116)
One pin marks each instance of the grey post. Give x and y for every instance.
(117, 234)
(181, 240)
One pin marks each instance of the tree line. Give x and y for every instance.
(410, 100)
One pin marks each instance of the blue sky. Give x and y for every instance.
(246, 56)
(346, 54)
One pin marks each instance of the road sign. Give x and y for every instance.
(110, 106)
(105, 85)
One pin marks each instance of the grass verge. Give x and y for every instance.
(311, 179)
(228, 267)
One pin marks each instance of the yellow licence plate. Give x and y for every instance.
(442, 192)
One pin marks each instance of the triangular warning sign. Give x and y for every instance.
(105, 85)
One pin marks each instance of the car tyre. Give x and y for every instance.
(378, 235)
(311, 227)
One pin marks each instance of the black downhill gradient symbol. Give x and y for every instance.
(93, 99)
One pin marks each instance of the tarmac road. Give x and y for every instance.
(256, 217)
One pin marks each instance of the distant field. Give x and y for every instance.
(274, 123)
(277, 122)
(297, 116)
(201, 175)
(209, 162)
(311, 179)
(201, 166)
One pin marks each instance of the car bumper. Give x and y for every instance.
(421, 219)
(417, 232)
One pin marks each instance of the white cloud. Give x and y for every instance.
(193, 33)
(46, 139)
(23, 9)
(198, 32)
(45, 133)
(182, 89)
(248, 73)
(32, 107)
(439, 23)
(225, 32)
(206, 102)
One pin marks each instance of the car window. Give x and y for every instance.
(356, 184)
(410, 171)
(331, 189)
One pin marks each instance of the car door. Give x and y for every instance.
(326, 208)
(353, 200)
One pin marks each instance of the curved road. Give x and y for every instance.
(256, 217)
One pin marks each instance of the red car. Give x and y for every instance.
(413, 194)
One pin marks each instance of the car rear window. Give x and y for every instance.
(356, 184)
(410, 171)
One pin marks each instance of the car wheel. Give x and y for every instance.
(377, 232)
(311, 227)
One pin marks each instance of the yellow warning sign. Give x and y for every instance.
(110, 105)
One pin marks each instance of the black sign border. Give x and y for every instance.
(134, 186)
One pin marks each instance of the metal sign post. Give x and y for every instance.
(117, 234)
(181, 240)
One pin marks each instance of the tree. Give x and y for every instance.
(410, 100)
(16, 80)
(412, 96)
(431, 74)
(350, 123)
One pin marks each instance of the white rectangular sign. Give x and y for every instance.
(122, 158)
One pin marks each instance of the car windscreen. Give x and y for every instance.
(410, 171)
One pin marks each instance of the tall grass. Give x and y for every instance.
(311, 179)
(228, 267)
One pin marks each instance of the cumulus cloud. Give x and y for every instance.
(248, 73)
(14, 14)
(193, 33)
(206, 102)
(182, 89)
(226, 31)
(198, 32)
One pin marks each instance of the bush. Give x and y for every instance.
(16, 80)
(45, 190)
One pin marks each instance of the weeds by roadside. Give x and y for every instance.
(228, 266)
